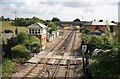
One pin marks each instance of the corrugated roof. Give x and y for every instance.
(101, 23)
(37, 24)
(96, 23)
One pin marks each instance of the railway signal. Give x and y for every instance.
(85, 61)
(84, 49)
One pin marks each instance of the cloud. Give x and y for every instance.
(119, 11)
(50, 3)
(26, 8)
(64, 9)
(76, 4)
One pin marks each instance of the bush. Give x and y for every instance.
(8, 67)
(12, 41)
(94, 41)
(22, 38)
(8, 31)
(33, 41)
(35, 46)
(34, 38)
(83, 30)
(20, 51)
(105, 63)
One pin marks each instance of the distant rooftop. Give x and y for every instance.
(37, 24)
(100, 22)
(86, 22)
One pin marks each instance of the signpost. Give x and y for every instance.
(84, 50)
(85, 61)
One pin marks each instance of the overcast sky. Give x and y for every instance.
(63, 9)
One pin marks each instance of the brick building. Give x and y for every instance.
(99, 25)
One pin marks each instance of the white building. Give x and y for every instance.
(39, 30)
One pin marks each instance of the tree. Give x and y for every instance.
(20, 51)
(34, 44)
(8, 67)
(16, 31)
(52, 26)
(106, 63)
(2, 18)
(49, 30)
(10, 43)
(22, 38)
(7, 19)
(26, 21)
(13, 41)
(76, 20)
(54, 19)
(34, 38)
(118, 31)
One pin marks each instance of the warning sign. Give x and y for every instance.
(84, 48)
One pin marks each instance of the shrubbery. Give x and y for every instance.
(33, 38)
(22, 38)
(95, 41)
(20, 51)
(106, 63)
(35, 44)
(26, 21)
(84, 30)
(8, 67)
(25, 45)
(8, 31)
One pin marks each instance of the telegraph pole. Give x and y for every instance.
(15, 17)
(82, 18)
(15, 14)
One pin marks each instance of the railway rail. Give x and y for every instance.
(33, 67)
(55, 71)
(50, 67)
(45, 65)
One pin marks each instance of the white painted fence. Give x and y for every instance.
(53, 36)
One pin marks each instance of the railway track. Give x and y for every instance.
(33, 69)
(44, 65)
(50, 67)
(68, 73)
(63, 71)
(58, 45)
(53, 69)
